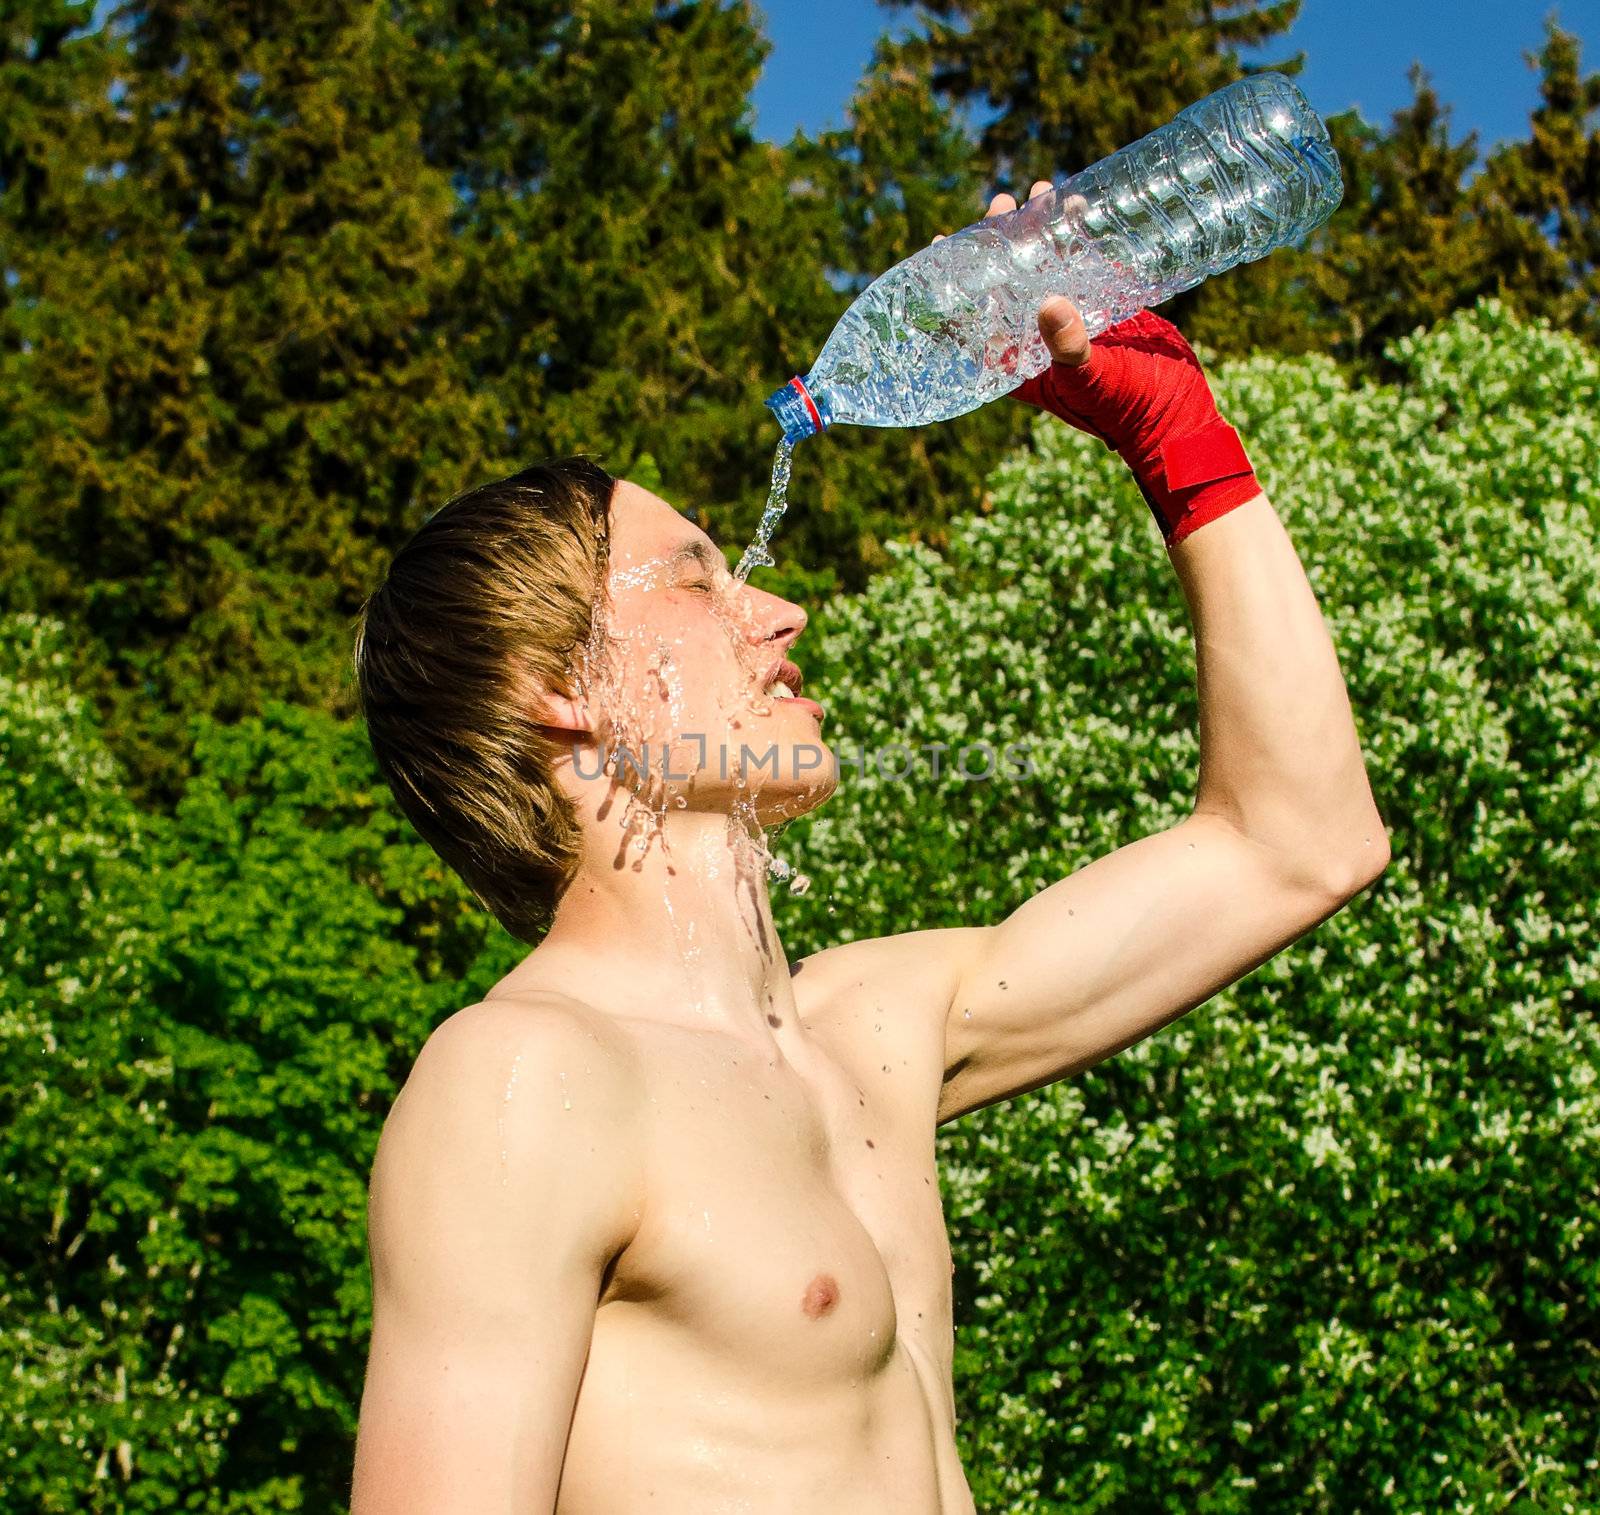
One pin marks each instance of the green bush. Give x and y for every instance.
(1331, 1242)
(203, 1020)
(86, 1313)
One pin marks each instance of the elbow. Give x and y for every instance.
(1331, 872)
(1356, 864)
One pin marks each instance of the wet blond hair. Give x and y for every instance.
(492, 598)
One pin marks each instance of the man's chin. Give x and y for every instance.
(785, 781)
(779, 802)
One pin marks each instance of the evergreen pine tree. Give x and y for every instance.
(234, 393)
(1064, 85)
(1403, 250)
(49, 61)
(1539, 199)
(632, 270)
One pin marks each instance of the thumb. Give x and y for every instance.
(1063, 331)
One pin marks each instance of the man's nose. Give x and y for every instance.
(774, 618)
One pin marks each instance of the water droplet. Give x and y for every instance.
(500, 1119)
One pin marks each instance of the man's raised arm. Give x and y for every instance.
(1282, 834)
(505, 1182)
(1284, 829)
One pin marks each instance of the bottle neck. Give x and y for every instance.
(798, 413)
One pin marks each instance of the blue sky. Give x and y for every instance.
(1357, 53)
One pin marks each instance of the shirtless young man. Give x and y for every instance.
(656, 1224)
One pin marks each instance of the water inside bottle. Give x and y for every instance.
(954, 326)
(756, 554)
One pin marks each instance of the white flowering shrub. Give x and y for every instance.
(1332, 1242)
(86, 1319)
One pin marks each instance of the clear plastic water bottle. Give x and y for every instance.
(956, 325)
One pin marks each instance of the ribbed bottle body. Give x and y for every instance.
(1232, 177)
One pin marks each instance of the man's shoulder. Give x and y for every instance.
(917, 969)
(535, 1092)
(881, 1004)
(535, 1034)
(533, 1017)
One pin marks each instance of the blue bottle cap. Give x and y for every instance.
(796, 411)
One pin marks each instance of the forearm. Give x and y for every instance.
(1279, 755)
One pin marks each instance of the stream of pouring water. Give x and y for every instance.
(756, 554)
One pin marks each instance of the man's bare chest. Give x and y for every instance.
(792, 1221)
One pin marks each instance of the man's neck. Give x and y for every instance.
(671, 921)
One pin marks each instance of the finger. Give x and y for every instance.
(1001, 205)
(1064, 333)
(1040, 187)
(938, 236)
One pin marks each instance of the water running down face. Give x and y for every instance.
(692, 665)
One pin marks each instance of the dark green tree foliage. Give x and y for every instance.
(1406, 254)
(1422, 233)
(1068, 84)
(324, 272)
(615, 216)
(1539, 199)
(1403, 250)
(231, 388)
(45, 68)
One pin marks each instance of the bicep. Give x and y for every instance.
(1114, 952)
(467, 1406)
(500, 1192)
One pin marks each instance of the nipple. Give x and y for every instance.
(822, 1295)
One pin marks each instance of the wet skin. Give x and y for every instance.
(777, 1333)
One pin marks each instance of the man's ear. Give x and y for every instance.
(559, 711)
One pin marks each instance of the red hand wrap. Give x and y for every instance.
(1143, 393)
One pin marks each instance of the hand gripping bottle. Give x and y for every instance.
(954, 326)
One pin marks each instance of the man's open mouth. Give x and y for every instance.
(784, 681)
